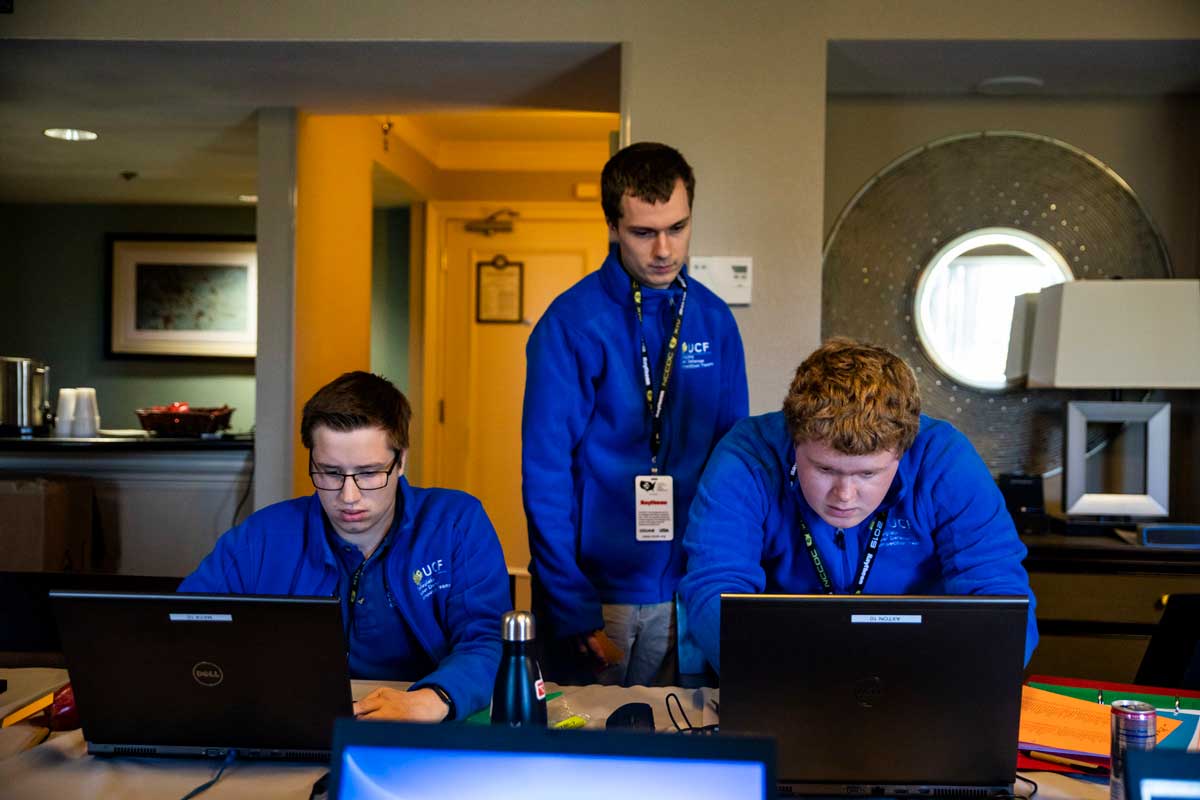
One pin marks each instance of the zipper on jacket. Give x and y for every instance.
(839, 538)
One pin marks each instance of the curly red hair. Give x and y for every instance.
(855, 398)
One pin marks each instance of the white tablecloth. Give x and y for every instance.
(61, 769)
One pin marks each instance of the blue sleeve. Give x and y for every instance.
(559, 400)
(735, 393)
(974, 536)
(479, 599)
(223, 570)
(724, 544)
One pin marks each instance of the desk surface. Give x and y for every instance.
(1055, 552)
(61, 768)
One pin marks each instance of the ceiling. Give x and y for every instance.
(1067, 68)
(182, 115)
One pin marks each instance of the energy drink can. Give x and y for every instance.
(1134, 727)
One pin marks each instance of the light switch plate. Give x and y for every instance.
(729, 277)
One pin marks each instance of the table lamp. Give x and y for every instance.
(1117, 334)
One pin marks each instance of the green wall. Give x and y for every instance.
(52, 306)
(389, 294)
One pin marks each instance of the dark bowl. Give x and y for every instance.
(193, 422)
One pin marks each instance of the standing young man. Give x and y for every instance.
(849, 489)
(420, 572)
(634, 374)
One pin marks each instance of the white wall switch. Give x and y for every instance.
(729, 277)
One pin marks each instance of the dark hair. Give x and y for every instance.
(358, 400)
(646, 170)
(854, 397)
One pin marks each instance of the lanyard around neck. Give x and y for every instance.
(655, 403)
(878, 523)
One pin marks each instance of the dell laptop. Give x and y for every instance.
(374, 760)
(878, 694)
(201, 675)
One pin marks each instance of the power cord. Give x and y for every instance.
(245, 494)
(1031, 793)
(204, 787)
(702, 729)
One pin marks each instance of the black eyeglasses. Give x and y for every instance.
(365, 481)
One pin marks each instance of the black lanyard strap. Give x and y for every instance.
(377, 555)
(878, 523)
(655, 406)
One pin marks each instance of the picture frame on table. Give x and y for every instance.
(177, 296)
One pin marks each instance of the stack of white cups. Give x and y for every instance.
(86, 421)
(65, 417)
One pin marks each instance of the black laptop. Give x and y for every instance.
(878, 694)
(199, 675)
(374, 760)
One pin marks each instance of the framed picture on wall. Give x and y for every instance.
(183, 297)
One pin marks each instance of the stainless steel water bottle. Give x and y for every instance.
(519, 697)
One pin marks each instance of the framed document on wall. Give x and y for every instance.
(499, 290)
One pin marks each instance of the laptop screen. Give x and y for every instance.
(376, 761)
(1162, 774)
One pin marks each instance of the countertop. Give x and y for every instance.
(125, 444)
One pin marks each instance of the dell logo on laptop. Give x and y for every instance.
(207, 673)
(868, 692)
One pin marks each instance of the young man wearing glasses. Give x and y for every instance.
(420, 572)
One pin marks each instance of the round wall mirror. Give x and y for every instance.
(963, 303)
(927, 257)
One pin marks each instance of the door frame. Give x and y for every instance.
(438, 214)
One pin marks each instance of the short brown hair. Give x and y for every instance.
(854, 397)
(358, 400)
(647, 171)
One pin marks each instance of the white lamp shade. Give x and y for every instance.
(1117, 334)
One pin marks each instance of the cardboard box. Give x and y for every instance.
(45, 523)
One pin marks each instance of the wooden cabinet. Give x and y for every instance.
(159, 505)
(1099, 600)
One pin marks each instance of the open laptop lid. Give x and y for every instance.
(878, 693)
(378, 760)
(1162, 775)
(190, 674)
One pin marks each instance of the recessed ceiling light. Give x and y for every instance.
(1010, 84)
(248, 198)
(71, 134)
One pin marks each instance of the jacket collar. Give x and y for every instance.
(615, 281)
(317, 549)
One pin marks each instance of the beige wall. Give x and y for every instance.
(739, 87)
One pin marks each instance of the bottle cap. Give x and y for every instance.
(517, 626)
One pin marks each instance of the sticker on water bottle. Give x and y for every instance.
(540, 686)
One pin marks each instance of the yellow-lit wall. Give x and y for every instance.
(333, 259)
(335, 158)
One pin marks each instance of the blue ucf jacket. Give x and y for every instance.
(585, 435)
(445, 536)
(948, 531)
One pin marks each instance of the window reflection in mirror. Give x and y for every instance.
(963, 306)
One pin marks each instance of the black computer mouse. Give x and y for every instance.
(636, 716)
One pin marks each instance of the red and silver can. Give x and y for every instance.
(1134, 727)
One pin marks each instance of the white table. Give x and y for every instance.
(61, 769)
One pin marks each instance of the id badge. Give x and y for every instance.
(654, 507)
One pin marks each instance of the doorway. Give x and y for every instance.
(475, 370)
